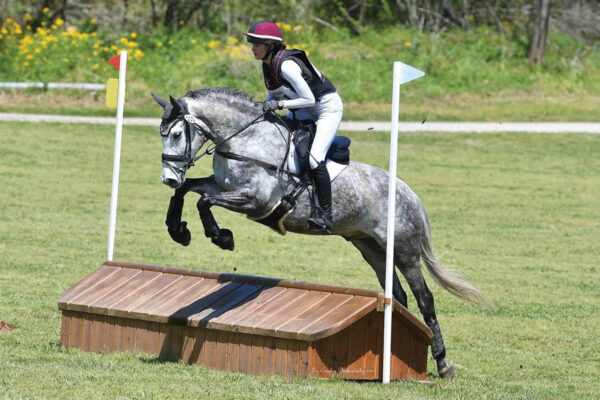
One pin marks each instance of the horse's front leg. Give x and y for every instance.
(176, 227)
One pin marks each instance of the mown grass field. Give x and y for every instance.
(517, 214)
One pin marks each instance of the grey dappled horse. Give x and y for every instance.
(359, 194)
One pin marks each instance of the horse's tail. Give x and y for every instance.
(448, 279)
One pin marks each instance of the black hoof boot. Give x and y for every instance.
(224, 240)
(180, 233)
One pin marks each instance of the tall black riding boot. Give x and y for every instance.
(321, 219)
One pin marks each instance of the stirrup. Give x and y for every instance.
(318, 222)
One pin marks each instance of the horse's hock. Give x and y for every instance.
(238, 323)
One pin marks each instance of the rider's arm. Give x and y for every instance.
(292, 73)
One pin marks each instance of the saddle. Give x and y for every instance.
(338, 158)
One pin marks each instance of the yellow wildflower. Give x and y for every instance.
(287, 27)
(193, 41)
(588, 48)
(213, 43)
(29, 56)
(158, 44)
(37, 50)
(44, 23)
(297, 28)
(137, 54)
(45, 10)
(181, 22)
(66, 60)
(170, 42)
(26, 63)
(93, 21)
(232, 40)
(59, 22)
(407, 44)
(52, 26)
(95, 66)
(95, 53)
(133, 35)
(27, 17)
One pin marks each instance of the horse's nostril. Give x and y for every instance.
(172, 182)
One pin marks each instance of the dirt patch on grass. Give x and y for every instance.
(6, 327)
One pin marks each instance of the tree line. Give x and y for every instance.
(579, 18)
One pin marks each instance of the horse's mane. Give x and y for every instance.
(241, 99)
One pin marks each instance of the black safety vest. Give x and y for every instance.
(273, 78)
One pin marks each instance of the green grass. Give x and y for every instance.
(517, 214)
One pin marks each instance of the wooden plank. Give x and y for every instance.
(339, 318)
(281, 347)
(233, 351)
(290, 311)
(175, 342)
(96, 334)
(129, 339)
(263, 297)
(86, 329)
(197, 352)
(303, 358)
(122, 292)
(339, 351)
(119, 332)
(164, 342)
(319, 310)
(143, 294)
(221, 353)
(141, 336)
(293, 358)
(189, 342)
(257, 280)
(251, 320)
(228, 301)
(268, 362)
(203, 299)
(401, 345)
(154, 344)
(357, 345)
(65, 329)
(86, 284)
(257, 354)
(210, 348)
(103, 287)
(75, 339)
(146, 310)
(371, 355)
(108, 335)
(322, 350)
(180, 302)
(245, 353)
(419, 357)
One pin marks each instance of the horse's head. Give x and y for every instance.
(181, 140)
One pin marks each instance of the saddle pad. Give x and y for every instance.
(333, 167)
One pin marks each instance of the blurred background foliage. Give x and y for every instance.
(475, 47)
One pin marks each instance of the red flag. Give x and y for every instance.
(115, 61)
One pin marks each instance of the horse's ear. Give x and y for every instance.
(174, 103)
(163, 103)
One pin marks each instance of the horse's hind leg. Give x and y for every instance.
(411, 269)
(375, 256)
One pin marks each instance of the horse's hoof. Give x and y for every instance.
(181, 234)
(447, 372)
(224, 240)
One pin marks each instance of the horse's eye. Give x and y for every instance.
(176, 134)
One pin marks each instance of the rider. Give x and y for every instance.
(293, 82)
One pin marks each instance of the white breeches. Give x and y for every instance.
(327, 114)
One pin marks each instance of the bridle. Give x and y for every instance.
(190, 161)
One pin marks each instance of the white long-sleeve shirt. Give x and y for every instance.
(301, 96)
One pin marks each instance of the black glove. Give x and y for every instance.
(272, 105)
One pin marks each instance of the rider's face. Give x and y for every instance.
(259, 50)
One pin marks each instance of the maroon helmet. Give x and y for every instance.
(265, 32)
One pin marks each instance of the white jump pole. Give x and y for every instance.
(117, 156)
(402, 73)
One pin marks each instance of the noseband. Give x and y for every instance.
(187, 156)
